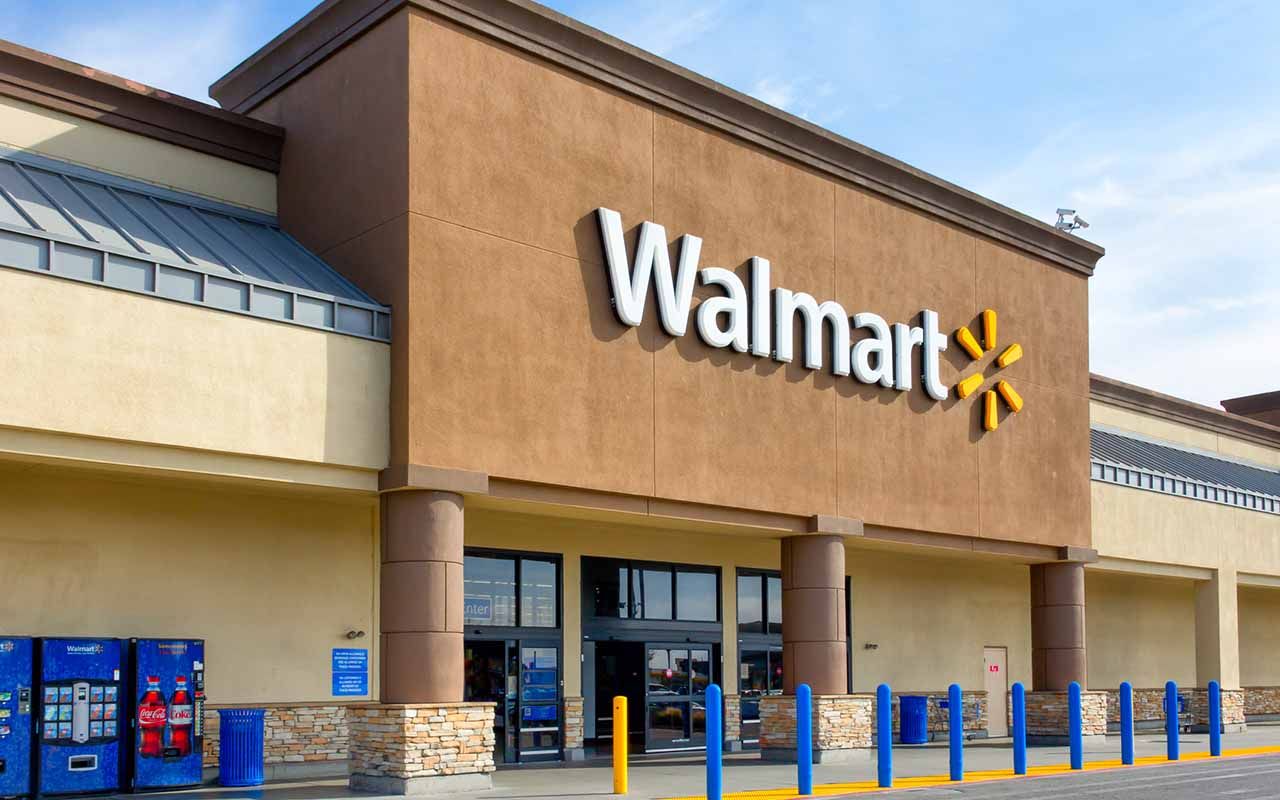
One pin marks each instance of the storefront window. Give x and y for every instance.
(750, 604)
(774, 584)
(628, 590)
(696, 596)
(654, 594)
(489, 591)
(537, 593)
(509, 591)
(759, 603)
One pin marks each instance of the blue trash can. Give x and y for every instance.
(240, 746)
(914, 719)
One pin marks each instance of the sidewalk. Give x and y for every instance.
(683, 776)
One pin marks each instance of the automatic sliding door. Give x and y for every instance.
(675, 696)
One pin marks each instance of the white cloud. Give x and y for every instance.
(774, 92)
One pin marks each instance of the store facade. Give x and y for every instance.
(587, 377)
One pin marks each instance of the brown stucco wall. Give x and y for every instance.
(510, 361)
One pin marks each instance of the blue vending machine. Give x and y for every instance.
(17, 669)
(168, 726)
(82, 715)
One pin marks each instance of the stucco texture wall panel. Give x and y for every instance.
(931, 618)
(98, 362)
(510, 146)
(270, 581)
(519, 368)
(1259, 636)
(1140, 629)
(717, 410)
(1166, 529)
(904, 460)
(332, 186)
(24, 126)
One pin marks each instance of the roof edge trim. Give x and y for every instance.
(1174, 409)
(572, 45)
(61, 85)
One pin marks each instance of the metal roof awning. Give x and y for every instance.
(76, 223)
(1137, 462)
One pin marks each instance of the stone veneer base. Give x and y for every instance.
(421, 748)
(434, 785)
(841, 727)
(1048, 718)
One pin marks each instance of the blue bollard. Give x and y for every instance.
(1171, 718)
(804, 738)
(1019, 729)
(1076, 722)
(715, 742)
(1215, 719)
(884, 736)
(956, 726)
(1126, 724)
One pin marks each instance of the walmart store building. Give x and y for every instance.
(545, 371)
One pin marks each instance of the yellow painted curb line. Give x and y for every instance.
(861, 787)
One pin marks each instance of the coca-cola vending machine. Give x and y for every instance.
(168, 719)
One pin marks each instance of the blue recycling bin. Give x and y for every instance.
(240, 732)
(914, 719)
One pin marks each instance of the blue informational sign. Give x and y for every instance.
(350, 672)
(168, 737)
(16, 707)
(82, 715)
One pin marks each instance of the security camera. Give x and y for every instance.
(1080, 223)
(1066, 212)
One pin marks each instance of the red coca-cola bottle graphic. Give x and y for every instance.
(180, 718)
(151, 720)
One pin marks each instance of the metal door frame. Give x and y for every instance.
(541, 755)
(687, 699)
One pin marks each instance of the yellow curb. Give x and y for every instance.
(862, 787)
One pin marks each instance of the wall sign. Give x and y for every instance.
(350, 672)
(758, 319)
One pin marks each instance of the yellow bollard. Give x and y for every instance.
(620, 745)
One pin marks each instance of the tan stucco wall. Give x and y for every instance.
(1259, 636)
(270, 581)
(92, 361)
(505, 248)
(1140, 629)
(1101, 413)
(1130, 523)
(931, 616)
(25, 126)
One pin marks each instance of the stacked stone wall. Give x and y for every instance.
(840, 722)
(1262, 701)
(732, 718)
(574, 726)
(409, 742)
(1048, 714)
(295, 734)
(973, 704)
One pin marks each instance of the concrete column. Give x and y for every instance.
(421, 597)
(1057, 626)
(813, 614)
(1218, 631)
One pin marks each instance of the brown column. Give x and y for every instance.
(1057, 626)
(421, 605)
(813, 614)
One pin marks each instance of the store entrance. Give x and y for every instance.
(675, 696)
(522, 677)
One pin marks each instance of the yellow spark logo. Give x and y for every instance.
(971, 384)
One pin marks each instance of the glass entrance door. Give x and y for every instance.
(675, 696)
(538, 731)
(522, 677)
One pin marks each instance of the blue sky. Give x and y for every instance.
(1160, 123)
